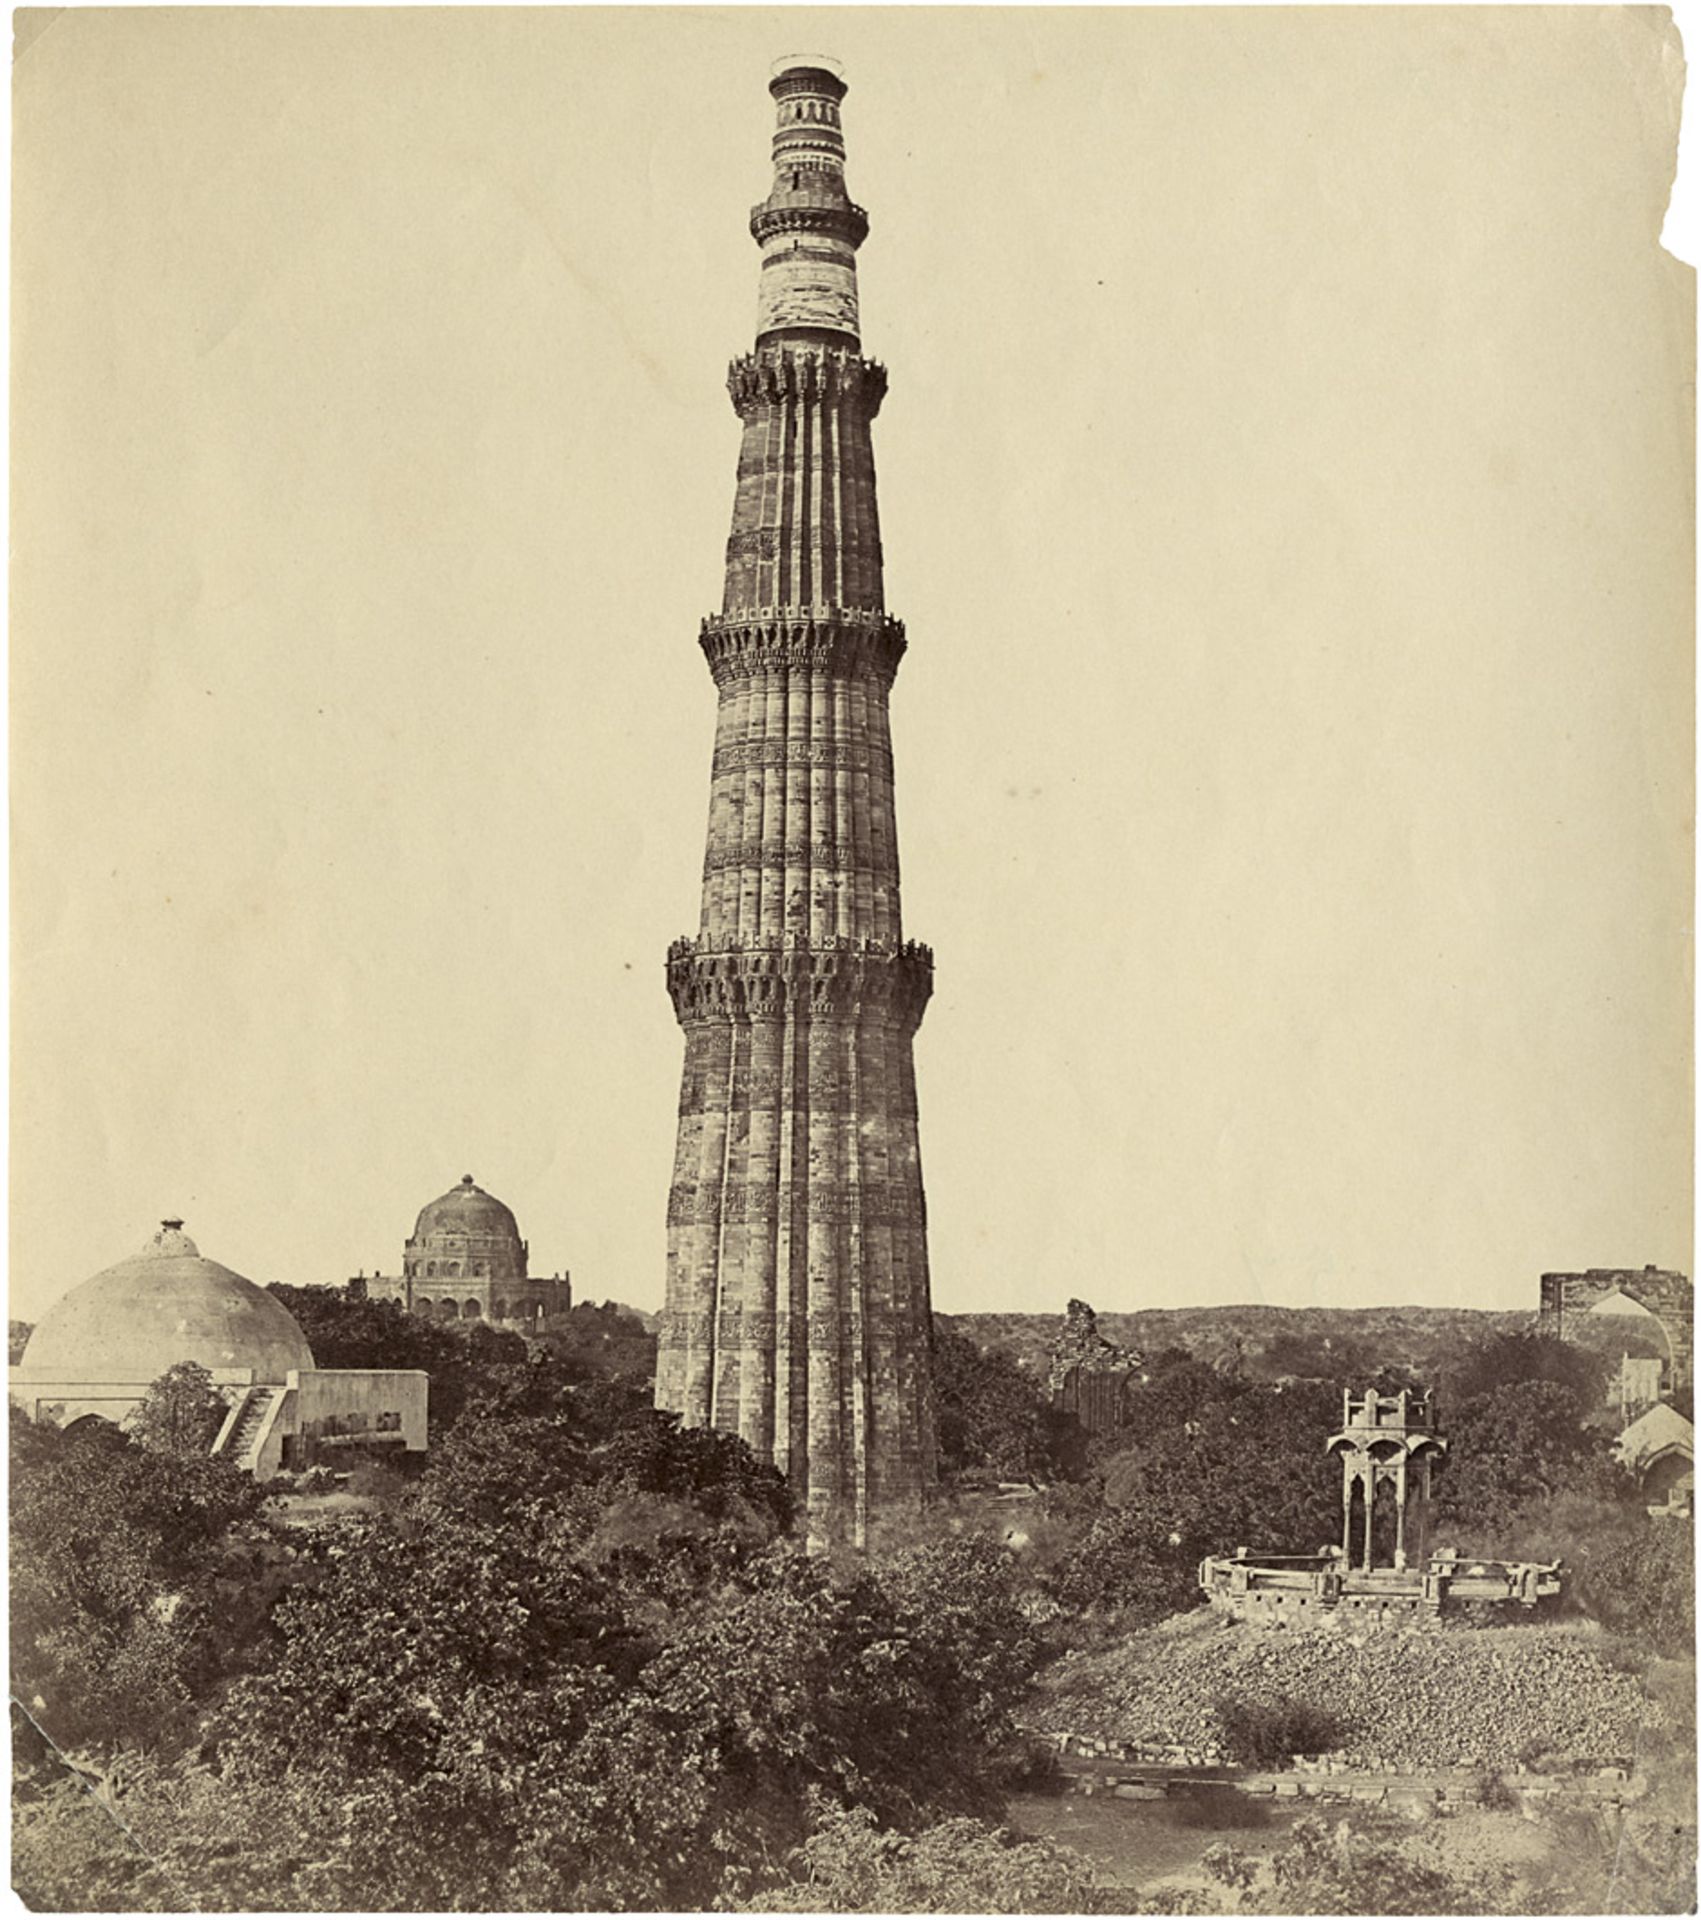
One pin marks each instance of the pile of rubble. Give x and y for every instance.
(1417, 1700)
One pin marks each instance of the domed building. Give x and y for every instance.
(465, 1260)
(98, 1350)
(163, 1305)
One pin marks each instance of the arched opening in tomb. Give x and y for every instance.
(471, 1310)
(93, 1424)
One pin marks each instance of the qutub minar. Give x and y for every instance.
(798, 1312)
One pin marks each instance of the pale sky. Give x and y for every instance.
(1284, 480)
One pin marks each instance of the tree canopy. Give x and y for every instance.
(994, 1415)
(579, 1661)
(124, 1593)
(180, 1414)
(344, 1331)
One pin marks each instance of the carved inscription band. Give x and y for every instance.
(854, 756)
(808, 1090)
(875, 1203)
(818, 856)
(826, 1332)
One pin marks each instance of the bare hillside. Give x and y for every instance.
(1269, 1341)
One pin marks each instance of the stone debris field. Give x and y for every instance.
(1496, 1697)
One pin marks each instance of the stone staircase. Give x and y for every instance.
(240, 1443)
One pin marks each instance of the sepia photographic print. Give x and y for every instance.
(499, 1419)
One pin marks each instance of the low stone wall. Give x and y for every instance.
(1321, 1590)
(345, 1407)
(1090, 1766)
(1084, 1746)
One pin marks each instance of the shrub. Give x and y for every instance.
(118, 1617)
(1342, 1871)
(1633, 1574)
(1495, 1792)
(180, 1414)
(1268, 1733)
(1126, 1562)
(376, 1480)
(848, 1865)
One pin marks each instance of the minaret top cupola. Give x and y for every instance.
(808, 227)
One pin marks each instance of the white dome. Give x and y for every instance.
(160, 1307)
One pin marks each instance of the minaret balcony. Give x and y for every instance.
(771, 976)
(850, 642)
(805, 210)
(805, 370)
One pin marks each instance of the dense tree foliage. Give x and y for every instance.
(348, 1332)
(125, 1594)
(890, 1690)
(1632, 1573)
(1522, 1442)
(607, 1339)
(180, 1414)
(996, 1416)
(443, 1728)
(1213, 1461)
(1480, 1369)
(578, 1662)
(1344, 1870)
(850, 1864)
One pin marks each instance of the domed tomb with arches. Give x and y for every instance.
(99, 1349)
(465, 1261)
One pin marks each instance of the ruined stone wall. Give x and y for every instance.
(1669, 1296)
(1089, 1375)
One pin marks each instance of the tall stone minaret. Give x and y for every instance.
(798, 1311)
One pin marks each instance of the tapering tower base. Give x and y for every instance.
(797, 1225)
